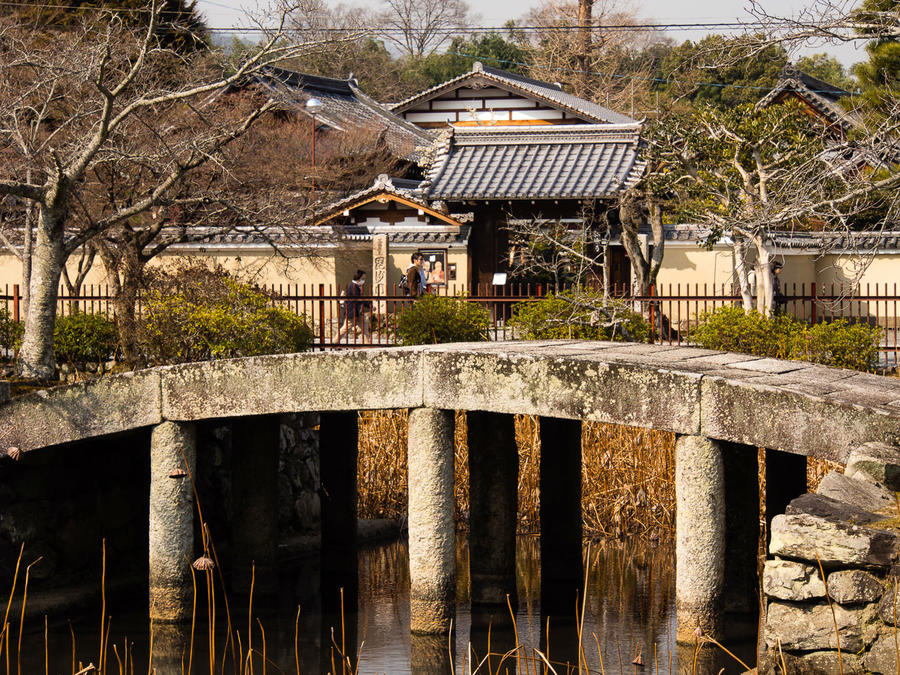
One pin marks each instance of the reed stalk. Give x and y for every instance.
(250, 618)
(22, 617)
(296, 644)
(102, 601)
(4, 630)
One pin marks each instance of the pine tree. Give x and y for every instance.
(879, 77)
(180, 26)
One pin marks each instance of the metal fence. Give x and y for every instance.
(674, 308)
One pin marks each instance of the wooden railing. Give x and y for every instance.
(674, 308)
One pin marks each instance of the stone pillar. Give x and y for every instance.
(254, 454)
(379, 270)
(338, 450)
(173, 454)
(741, 466)
(699, 537)
(493, 508)
(562, 574)
(785, 480)
(432, 523)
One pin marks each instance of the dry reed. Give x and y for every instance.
(627, 484)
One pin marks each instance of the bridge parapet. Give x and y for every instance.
(785, 405)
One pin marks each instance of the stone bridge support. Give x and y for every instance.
(493, 505)
(173, 455)
(254, 444)
(432, 521)
(338, 450)
(562, 572)
(699, 537)
(741, 466)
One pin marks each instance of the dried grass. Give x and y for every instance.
(628, 475)
(627, 483)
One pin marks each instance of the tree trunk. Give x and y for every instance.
(26, 249)
(585, 20)
(739, 246)
(765, 286)
(49, 255)
(126, 316)
(124, 271)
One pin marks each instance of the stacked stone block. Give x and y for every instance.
(831, 584)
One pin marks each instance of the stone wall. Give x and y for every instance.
(831, 582)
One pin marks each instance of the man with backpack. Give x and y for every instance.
(414, 277)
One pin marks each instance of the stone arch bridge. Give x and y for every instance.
(722, 406)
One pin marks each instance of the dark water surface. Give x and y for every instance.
(629, 612)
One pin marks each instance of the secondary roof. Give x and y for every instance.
(489, 95)
(552, 162)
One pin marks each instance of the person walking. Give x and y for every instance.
(415, 275)
(356, 312)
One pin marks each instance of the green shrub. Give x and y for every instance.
(82, 337)
(10, 331)
(434, 319)
(836, 343)
(197, 314)
(578, 315)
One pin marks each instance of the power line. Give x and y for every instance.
(626, 27)
(629, 76)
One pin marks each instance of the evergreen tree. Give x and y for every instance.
(879, 77)
(180, 26)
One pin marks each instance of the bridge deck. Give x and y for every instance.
(785, 405)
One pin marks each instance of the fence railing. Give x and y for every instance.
(674, 309)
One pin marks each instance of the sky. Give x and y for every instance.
(222, 13)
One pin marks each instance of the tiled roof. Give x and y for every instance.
(544, 91)
(819, 242)
(820, 95)
(408, 189)
(555, 162)
(435, 235)
(310, 237)
(344, 107)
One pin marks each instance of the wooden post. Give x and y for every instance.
(322, 317)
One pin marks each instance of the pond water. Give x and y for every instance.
(629, 613)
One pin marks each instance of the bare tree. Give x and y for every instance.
(747, 172)
(636, 209)
(560, 252)
(592, 70)
(419, 27)
(85, 104)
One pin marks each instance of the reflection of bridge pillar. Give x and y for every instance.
(338, 450)
(170, 648)
(699, 536)
(493, 503)
(432, 525)
(254, 450)
(785, 480)
(171, 524)
(560, 507)
(741, 466)
(430, 655)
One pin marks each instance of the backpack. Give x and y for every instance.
(404, 284)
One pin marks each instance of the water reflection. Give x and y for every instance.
(628, 616)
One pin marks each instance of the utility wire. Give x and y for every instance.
(691, 26)
(630, 76)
